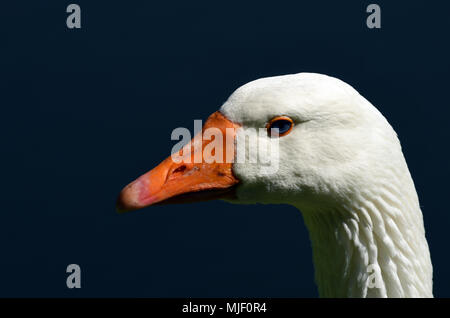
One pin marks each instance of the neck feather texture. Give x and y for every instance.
(373, 246)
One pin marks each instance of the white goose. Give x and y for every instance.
(341, 165)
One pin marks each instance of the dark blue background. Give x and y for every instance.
(84, 112)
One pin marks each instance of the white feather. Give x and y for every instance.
(343, 167)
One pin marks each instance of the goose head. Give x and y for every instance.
(334, 144)
(336, 159)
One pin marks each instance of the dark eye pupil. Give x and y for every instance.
(282, 125)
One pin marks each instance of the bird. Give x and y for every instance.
(340, 163)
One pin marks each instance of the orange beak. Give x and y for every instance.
(192, 176)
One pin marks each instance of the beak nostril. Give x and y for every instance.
(179, 169)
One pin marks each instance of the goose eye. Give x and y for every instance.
(283, 124)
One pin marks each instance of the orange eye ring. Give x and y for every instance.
(283, 123)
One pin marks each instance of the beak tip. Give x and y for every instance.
(128, 199)
(121, 205)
